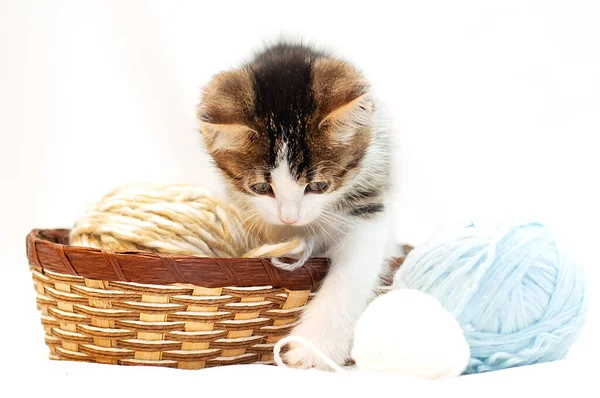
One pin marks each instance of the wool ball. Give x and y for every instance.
(409, 333)
(177, 219)
(514, 288)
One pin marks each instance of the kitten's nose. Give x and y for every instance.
(289, 220)
(289, 210)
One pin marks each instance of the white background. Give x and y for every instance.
(496, 106)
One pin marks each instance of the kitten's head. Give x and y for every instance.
(288, 131)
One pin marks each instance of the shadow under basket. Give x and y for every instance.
(138, 308)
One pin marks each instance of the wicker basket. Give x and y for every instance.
(133, 308)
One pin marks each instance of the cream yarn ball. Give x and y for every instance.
(409, 333)
(177, 219)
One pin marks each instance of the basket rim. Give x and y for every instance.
(48, 250)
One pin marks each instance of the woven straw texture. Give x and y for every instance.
(172, 324)
(176, 326)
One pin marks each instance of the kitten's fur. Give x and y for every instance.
(295, 116)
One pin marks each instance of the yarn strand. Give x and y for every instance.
(307, 252)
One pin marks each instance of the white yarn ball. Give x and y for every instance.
(408, 332)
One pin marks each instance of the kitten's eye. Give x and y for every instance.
(262, 188)
(317, 187)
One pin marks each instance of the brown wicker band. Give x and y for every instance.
(49, 250)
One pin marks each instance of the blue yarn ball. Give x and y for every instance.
(517, 293)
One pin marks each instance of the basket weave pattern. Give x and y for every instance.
(133, 308)
(181, 326)
(170, 322)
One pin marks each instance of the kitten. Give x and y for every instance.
(297, 136)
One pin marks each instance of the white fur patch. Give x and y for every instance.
(288, 194)
(328, 321)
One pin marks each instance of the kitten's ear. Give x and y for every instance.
(343, 100)
(353, 118)
(226, 137)
(227, 98)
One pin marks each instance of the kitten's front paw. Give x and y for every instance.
(303, 354)
(301, 357)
